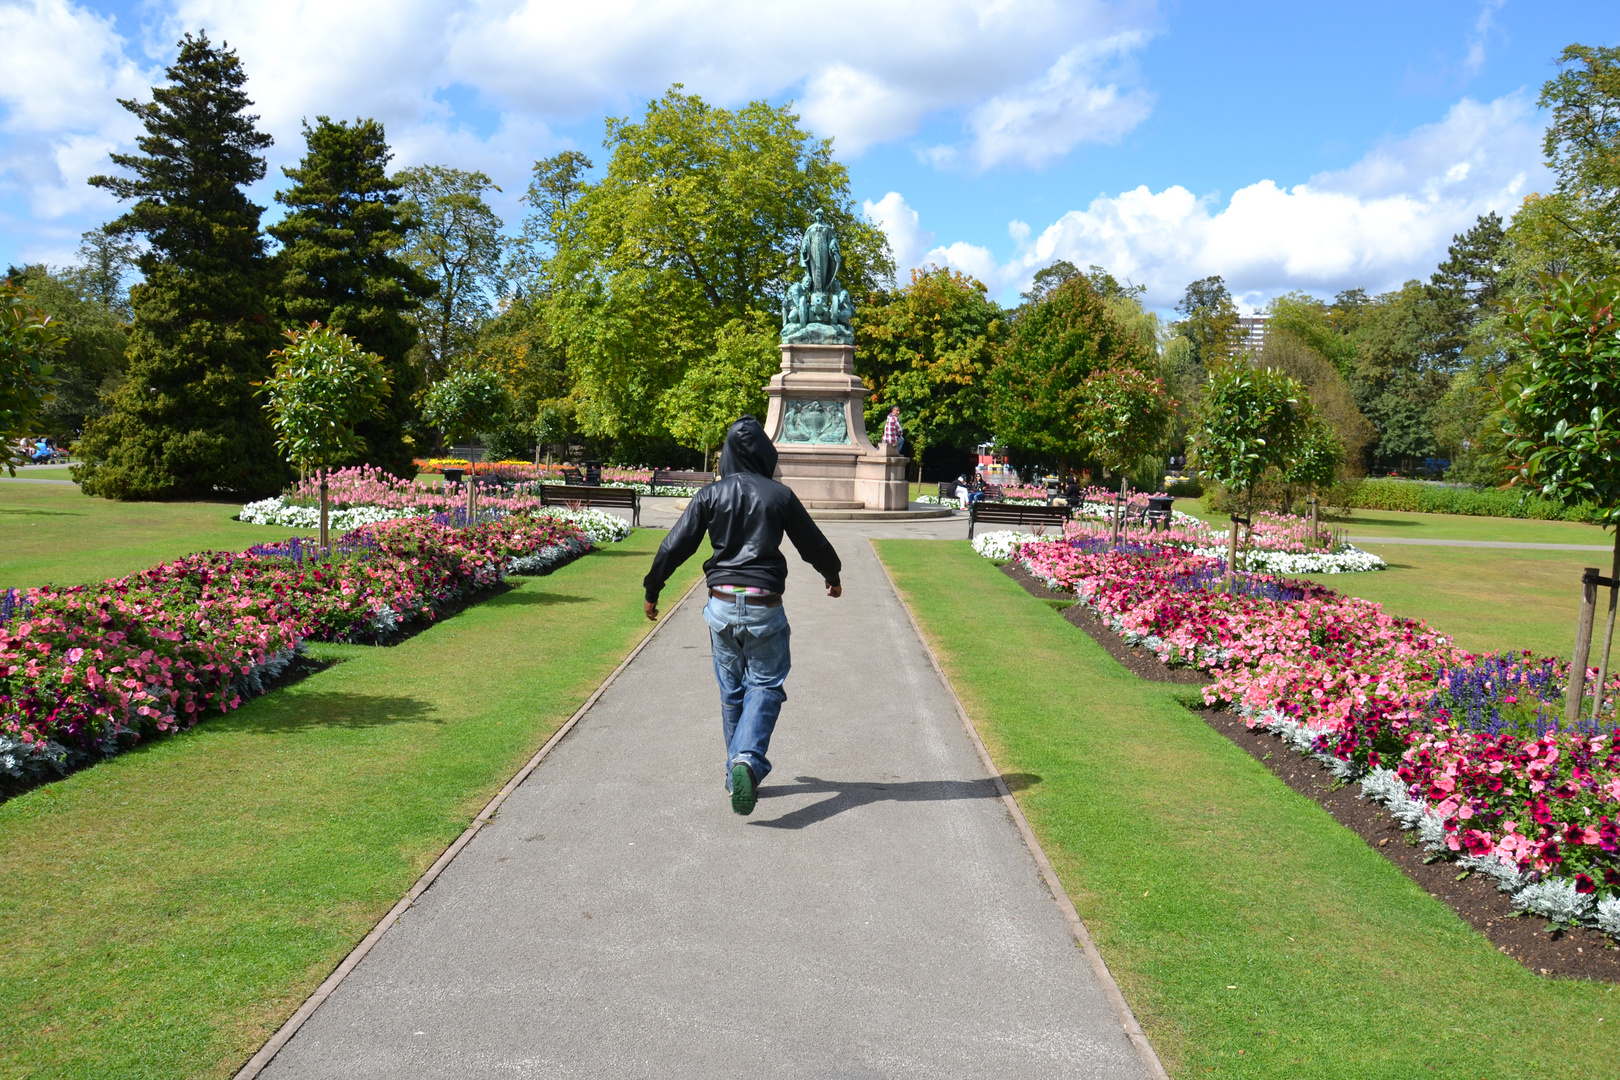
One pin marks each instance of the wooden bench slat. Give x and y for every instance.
(1000, 513)
(563, 494)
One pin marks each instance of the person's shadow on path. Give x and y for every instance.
(853, 794)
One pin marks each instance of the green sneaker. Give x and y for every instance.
(742, 789)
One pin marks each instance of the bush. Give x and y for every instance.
(1422, 498)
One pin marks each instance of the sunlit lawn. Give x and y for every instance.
(1253, 935)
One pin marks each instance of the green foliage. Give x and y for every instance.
(465, 402)
(1468, 427)
(554, 184)
(1315, 462)
(1250, 420)
(184, 422)
(1466, 287)
(1330, 395)
(91, 361)
(323, 388)
(695, 223)
(338, 266)
(1123, 416)
(1311, 322)
(1582, 147)
(1562, 408)
(930, 348)
(716, 390)
(29, 341)
(1051, 347)
(1209, 321)
(1416, 497)
(455, 244)
(105, 260)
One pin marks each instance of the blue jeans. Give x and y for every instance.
(751, 662)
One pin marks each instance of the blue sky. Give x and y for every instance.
(1285, 146)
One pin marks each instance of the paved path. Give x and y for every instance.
(34, 480)
(1509, 544)
(877, 916)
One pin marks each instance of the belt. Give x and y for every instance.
(758, 599)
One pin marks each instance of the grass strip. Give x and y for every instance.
(171, 907)
(1253, 936)
(59, 535)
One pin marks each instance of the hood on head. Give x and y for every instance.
(747, 449)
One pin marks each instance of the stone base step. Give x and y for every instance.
(813, 504)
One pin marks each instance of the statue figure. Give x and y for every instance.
(820, 256)
(817, 309)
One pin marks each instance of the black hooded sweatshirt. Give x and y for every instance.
(745, 513)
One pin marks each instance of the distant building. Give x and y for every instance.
(1253, 331)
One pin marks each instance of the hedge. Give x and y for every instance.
(1438, 499)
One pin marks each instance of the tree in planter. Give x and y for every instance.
(323, 387)
(28, 341)
(1562, 427)
(1249, 421)
(1315, 462)
(460, 405)
(1123, 416)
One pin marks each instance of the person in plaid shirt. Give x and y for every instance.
(891, 426)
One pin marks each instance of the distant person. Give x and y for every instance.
(964, 494)
(744, 514)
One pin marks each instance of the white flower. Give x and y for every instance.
(1001, 545)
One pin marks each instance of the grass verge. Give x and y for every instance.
(58, 535)
(171, 907)
(1253, 935)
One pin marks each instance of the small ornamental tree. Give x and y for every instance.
(1562, 413)
(1123, 415)
(464, 403)
(28, 341)
(1315, 462)
(322, 388)
(715, 391)
(1250, 420)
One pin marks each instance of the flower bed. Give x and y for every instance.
(88, 670)
(1467, 750)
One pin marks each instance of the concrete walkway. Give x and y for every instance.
(877, 916)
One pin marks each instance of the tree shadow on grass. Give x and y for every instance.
(850, 795)
(525, 598)
(30, 511)
(332, 709)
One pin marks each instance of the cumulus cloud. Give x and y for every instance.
(1383, 220)
(536, 64)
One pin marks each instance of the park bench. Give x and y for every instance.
(947, 489)
(572, 495)
(572, 475)
(1000, 513)
(679, 478)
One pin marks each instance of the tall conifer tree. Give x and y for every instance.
(186, 422)
(343, 225)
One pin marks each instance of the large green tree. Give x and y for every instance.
(339, 266)
(1209, 320)
(1582, 146)
(456, 245)
(694, 223)
(1036, 389)
(29, 342)
(1466, 287)
(930, 348)
(184, 422)
(90, 362)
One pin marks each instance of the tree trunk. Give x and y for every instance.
(1583, 646)
(1608, 627)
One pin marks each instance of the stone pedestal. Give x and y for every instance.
(816, 421)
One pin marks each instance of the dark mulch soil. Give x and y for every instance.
(1580, 953)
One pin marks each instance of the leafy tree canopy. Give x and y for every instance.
(322, 388)
(1209, 320)
(930, 348)
(1582, 147)
(28, 343)
(1051, 348)
(465, 402)
(456, 245)
(719, 388)
(91, 360)
(694, 223)
(1250, 420)
(1123, 416)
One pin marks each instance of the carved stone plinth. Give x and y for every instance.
(815, 419)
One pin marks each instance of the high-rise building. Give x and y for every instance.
(1252, 329)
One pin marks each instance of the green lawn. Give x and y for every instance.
(1398, 523)
(168, 909)
(1253, 935)
(59, 535)
(1484, 598)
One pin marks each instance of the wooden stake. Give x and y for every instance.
(1608, 628)
(1583, 645)
(324, 534)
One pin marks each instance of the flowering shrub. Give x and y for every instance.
(1469, 750)
(87, 670)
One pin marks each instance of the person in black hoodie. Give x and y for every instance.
(745, 513)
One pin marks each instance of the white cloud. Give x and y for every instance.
(534, 64)
(1383, 220)
(908, 240)
(1479, 35)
